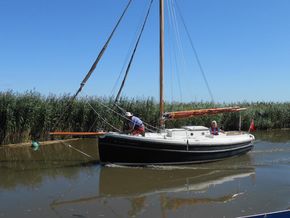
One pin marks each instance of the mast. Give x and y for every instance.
(161, 101)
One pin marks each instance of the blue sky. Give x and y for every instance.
(243, 45)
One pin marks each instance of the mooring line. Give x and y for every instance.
(81, 152)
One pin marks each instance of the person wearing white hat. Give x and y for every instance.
(135, 125)
(128, 114)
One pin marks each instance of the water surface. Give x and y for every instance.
(58, 181)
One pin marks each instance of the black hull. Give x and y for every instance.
(136, 151)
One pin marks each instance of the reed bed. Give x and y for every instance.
(30, 115)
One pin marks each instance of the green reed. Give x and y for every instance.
(31, 115)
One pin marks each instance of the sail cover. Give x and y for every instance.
(199, 112)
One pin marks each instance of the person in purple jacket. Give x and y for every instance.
(135, 125)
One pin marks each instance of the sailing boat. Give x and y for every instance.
(190, 144)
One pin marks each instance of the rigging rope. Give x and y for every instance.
(93, 124)
(101, 53)
(123, 116)
(170, 57)
(81, 152)
(178, 50)
(128, 55)
(103, 119)
(119, 114)
(147, 124)
(133, 54)
(93, 67)
(195, 53)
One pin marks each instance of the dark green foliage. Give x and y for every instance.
(31, 116)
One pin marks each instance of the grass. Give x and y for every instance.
(30, 115)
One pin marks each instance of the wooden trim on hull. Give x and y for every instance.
(136, 152)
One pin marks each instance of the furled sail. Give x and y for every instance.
(200, 112)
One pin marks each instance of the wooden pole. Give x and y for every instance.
(240, 122)
(161, 5)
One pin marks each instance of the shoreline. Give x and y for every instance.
(56, 141)
(28, 144)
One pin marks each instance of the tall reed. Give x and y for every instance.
(31, 115)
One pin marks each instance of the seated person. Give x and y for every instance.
(214, 130)
(134, 125)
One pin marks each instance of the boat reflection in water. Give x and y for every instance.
(170, 187)
(118, 182)
(175, 187)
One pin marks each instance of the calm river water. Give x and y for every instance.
(58, 181)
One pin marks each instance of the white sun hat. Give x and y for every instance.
(128, 114)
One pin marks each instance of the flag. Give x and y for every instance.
(252, 126)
